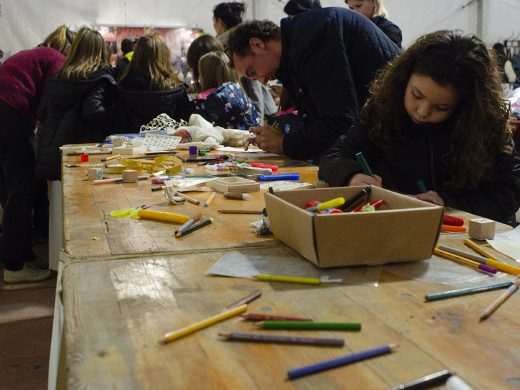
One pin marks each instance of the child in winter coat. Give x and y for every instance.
(436, 115)
(222, 100)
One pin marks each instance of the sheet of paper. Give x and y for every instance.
(238, 265)
(508, 243)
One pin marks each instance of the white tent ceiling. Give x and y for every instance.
(24, 23)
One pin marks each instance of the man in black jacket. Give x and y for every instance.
(326, 59)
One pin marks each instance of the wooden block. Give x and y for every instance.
(481, 229)
(129, 151)
(130, 176)
(95, 173)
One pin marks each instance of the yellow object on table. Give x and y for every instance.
(163, 216)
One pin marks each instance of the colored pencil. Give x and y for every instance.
(196, 226)
(453, 229)
(425, 382)
(341, 361)
(248, 298)
(241, 211)
(179, 232)
(287, 279)
(177, 334)
(462, 253)
(495, 263)
(210, 199)
(163, 216)
(188, 198)
(463, 260)
(364, 165)
(309, 325)
(466, 291)
(501, 299)
(333, 203)
(356, 199)
(279, 339)
(271, 317)
(479, 249)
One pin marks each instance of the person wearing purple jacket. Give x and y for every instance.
(22, 82)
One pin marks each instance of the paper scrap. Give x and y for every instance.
(508, 243)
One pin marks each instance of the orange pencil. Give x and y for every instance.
(453, 229)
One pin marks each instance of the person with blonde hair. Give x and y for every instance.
(376, 12)
(151, 86)
(60, 39)
(79, 106)
(222, 100)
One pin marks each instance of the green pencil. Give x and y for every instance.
(364, 165)
(466, 291)
(307, 325)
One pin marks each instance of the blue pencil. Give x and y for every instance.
(364, 165)
(341, 361)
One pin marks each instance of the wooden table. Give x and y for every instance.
(125, 286)
(87, 235)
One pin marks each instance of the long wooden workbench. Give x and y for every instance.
(118, 301)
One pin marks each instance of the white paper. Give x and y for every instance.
(508, 243)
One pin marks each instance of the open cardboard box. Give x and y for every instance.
(403, 229)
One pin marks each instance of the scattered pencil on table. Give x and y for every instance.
(247, 299)
(238, 211)
(453, 229)
(492, 262)
(177, 334)
(163, 216)
(309, 325)
(451, 220)
(188, 198)
(295, 279)
(196, 226)
(282, 339)
(179, 232)
(341, 361)
(466, 291)
(116, 180)
(464, 261)
(425, 382)
(210, 199)
(501, 299)
(272, 317)
(111, 158)
(364, 165)
(479, 249)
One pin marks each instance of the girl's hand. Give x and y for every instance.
(432, 197)
(360, 179)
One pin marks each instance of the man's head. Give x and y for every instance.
(255, 49)
(127, 45)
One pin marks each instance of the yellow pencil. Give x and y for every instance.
(464, 260)
(479, 249)
(288, 279)
(177, 334)
(492, 261)
(210, 199)
(501, 299)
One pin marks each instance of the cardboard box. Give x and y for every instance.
(403, 229)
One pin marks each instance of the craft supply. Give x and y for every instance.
(421, 185)
(333, 203)
(95, 173)
(197, 226)
(479, 249)
(192, 151)
(116, 180)
(287, 279)
(235, 195)
(468, 255)
(375, 204)
(284, 176)
(163, 216)
(160, 142)
(177, 334)
(492, 262)
(425, 382)
(501, 299)
(481, 229)
(364, 165)
(466, 291)
(453, 229)
(278, 339)
(234, 184)
(187, 225)
(210, 199)
(188, 198)
(110, 158)
(271, 317)
(463, 260)
(453, 221)
(83, 157)
(356, 199)
(248, 298)
(238, 211)
(272, 167)
(154, 189)
(115, 168)
(341, 361)
(130, 176)
(309, 325)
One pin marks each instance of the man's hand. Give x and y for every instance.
(267, 138)
(360, 179)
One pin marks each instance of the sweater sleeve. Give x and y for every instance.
(498, 199)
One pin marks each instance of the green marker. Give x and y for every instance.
(364, 165)
(466, 291)
(307, 325)
(422, 186)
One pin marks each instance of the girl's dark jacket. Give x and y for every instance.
(74, 111)
(140, 101)
(419, 154)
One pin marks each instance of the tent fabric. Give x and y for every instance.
(25, 23)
